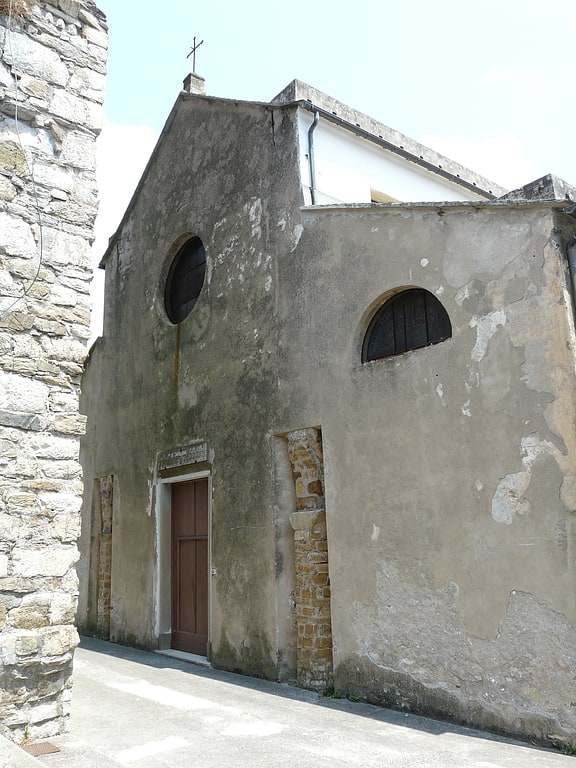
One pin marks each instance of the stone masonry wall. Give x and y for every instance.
(52, 74)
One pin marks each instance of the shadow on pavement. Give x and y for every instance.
(288, 691)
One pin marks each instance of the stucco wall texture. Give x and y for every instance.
(449, 470)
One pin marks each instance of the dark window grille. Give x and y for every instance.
(185, 280)
(409, 320)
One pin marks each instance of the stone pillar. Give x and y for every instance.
(312, 594)
(52, 73)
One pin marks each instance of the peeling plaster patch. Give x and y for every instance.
(296, 235)
(508, 499)
(473, 381)
(255, 215)
(462, 295)
(374, 229)
(424, 262)
(282, 224)
(228, 250)
(440, 393)
(267, 283)
(151, 488)
(486, 327)
(478, 485)
(439, 291)
(532, 448)
(466, 409)
(375, 532)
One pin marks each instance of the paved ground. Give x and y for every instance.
(132, 708)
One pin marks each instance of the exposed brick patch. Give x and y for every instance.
(312, 594)
(106, 494)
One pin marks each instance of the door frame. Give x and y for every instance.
(163, 555)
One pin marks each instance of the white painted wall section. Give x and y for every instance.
(349, 168)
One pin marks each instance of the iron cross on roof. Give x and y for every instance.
(193, 53)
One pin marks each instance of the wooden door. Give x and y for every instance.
(190, 566)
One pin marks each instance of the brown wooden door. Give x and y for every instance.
(190, 566)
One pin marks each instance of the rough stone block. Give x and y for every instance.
(68, 107)
(78, 150)
(22, 421)
(87, 82)
(44, 562)
(16, 238)
(8, 654)
(65, 349)
(7, 190)
(48, 711)
(12, 158)
(9, 530)
(61, 295)
(26, 644)
(58, 641)
(17, 321)
(53, 175)
(61, 503)
(52, 447)
(60, 469)
(34, 612)
(71, 7)
(30, 56)
(95, 36)
(49, 327)
(70, 425)
(63, 609)
(33, 86)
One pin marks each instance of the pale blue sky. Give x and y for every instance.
(481, 71)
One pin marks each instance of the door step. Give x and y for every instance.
(193, 658)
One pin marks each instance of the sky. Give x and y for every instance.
(489, 84)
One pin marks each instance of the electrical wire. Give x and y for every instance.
(29, 168)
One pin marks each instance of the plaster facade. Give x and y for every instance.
(410, 517)
(52, 72)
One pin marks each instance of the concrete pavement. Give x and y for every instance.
(147, 710)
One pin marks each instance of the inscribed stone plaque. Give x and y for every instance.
(180, 457)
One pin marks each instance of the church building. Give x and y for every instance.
(331, 419)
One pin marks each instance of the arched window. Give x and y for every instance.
(185, 280)
(409, 320)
